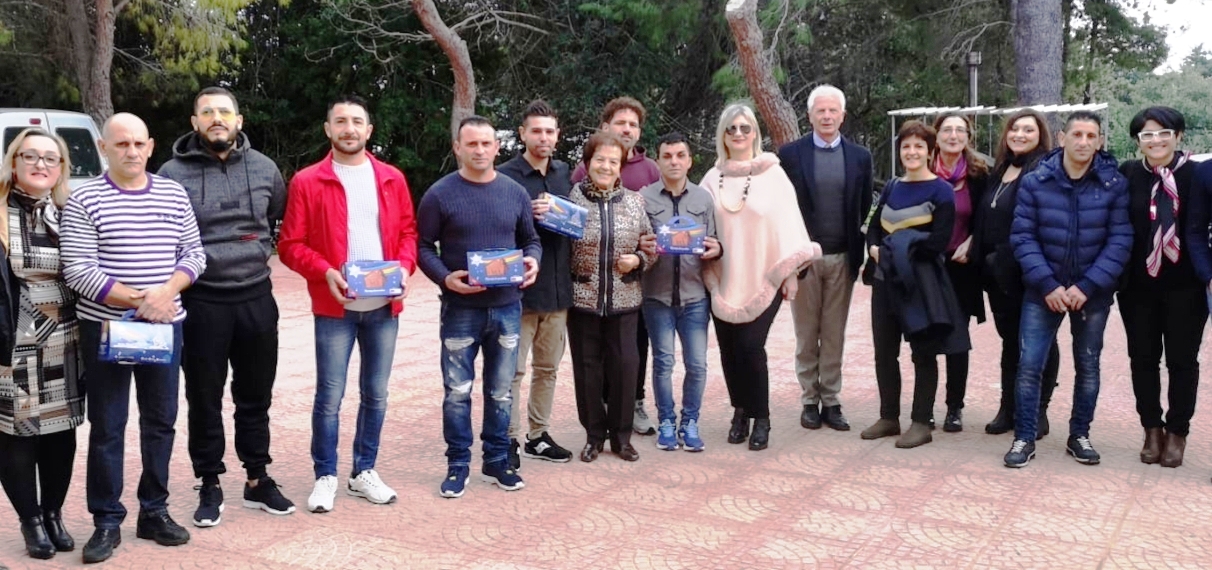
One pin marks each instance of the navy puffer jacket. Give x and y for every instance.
(1069, 233)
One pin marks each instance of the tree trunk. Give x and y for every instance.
(98, 99)
(780, 117)
(460, 61)
(1038, 43)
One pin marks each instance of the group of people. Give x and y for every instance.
(1042, 232)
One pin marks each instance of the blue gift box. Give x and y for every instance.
(681, 236)
(496, 267)
(136, 342)
(373, 278)
(564, 218)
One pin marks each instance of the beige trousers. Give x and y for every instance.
(543, 336)
(820, 310)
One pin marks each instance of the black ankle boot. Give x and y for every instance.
(761, 434)
(1003, 422)
(1041, 426)
(37, 544)
(740, 427)
(53, 522)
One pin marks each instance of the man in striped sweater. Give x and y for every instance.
(129, 241)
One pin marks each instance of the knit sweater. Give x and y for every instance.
(464, 216)
(138, 238)
(764, 241)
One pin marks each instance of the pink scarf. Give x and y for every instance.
(958, 177)
(1162, 220)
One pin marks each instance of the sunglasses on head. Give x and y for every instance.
(743, 129)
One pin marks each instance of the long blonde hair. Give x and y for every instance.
(8, 175)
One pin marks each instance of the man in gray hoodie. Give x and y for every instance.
(239, 197)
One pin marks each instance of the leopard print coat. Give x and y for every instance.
(615, 223)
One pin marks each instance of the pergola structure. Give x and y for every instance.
(981, 111)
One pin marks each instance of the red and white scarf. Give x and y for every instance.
(1163, 220)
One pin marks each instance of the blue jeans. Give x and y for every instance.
(1037, 333)
(375, 331)
(689, 323)
(108, 392)
(464, 332)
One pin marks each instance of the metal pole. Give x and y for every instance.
(974, 61)
(892, 145)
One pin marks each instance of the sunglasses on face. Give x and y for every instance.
(31, 158)
(222, 112)
(1162, 135)
(743, 129)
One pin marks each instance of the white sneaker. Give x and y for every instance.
(322, 496)
(368, 486)
(641, 424)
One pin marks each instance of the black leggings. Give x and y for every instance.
(743, 358)
(1170, 324)
(28, 461)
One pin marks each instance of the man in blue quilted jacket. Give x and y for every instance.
(1072, 237)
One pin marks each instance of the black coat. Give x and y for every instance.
(798, 160)
(923, 299)
(10, 295)
(966, 277)
(1140, 189)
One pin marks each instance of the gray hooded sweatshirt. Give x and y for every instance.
(238, 203)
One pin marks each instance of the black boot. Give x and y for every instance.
(1045, 397)
(1003, 422)
(53, 522)
(740, 427)
(37, 544)
(761, 434)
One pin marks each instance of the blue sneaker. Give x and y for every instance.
(455, 481)
(501, 475)
(689, 434)
(667, 437)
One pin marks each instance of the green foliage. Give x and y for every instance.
(1187, 90)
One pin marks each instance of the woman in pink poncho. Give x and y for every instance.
(765, 246)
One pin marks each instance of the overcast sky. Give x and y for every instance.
(1178, 17)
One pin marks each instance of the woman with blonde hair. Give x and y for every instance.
(765, 247)
(41, 374)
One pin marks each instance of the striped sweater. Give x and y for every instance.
(134, 237)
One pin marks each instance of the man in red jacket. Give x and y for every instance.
(349, 207)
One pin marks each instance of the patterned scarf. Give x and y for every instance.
(1163, 211)
(958, 177)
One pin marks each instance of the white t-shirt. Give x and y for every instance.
(362, 203)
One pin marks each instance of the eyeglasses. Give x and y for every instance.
(953, 131)
(223, 113)
(744, 129)
(31, 158)
(1162, 135)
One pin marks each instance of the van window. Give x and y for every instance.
(83, 151)
(80, 147)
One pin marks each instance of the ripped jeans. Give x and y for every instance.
(375, 331)
(1037, 334)
(465, 331)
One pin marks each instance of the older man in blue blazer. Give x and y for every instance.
(833, 183)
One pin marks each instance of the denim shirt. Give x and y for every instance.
(677, 280)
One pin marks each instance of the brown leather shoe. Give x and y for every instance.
(628, 453)
(1152, 451)
(918, 434)
(1172, 456)
(590, 452)
(883, 428)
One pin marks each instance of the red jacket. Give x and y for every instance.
(315, 231)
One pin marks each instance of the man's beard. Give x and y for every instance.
(222, 145)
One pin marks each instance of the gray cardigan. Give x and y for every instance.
(677, 280)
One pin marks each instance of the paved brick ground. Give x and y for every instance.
(813, 499)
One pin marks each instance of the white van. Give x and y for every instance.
(77, 129)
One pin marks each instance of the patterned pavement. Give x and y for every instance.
(820, 499)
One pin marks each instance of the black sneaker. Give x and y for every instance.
(161, 528)
(515, 460)
(267, 497)
(1021, 452)
(210, 505)
(1081, 450)
(546, 449)
(102, 544)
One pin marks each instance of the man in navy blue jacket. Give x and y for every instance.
(1072, 237)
